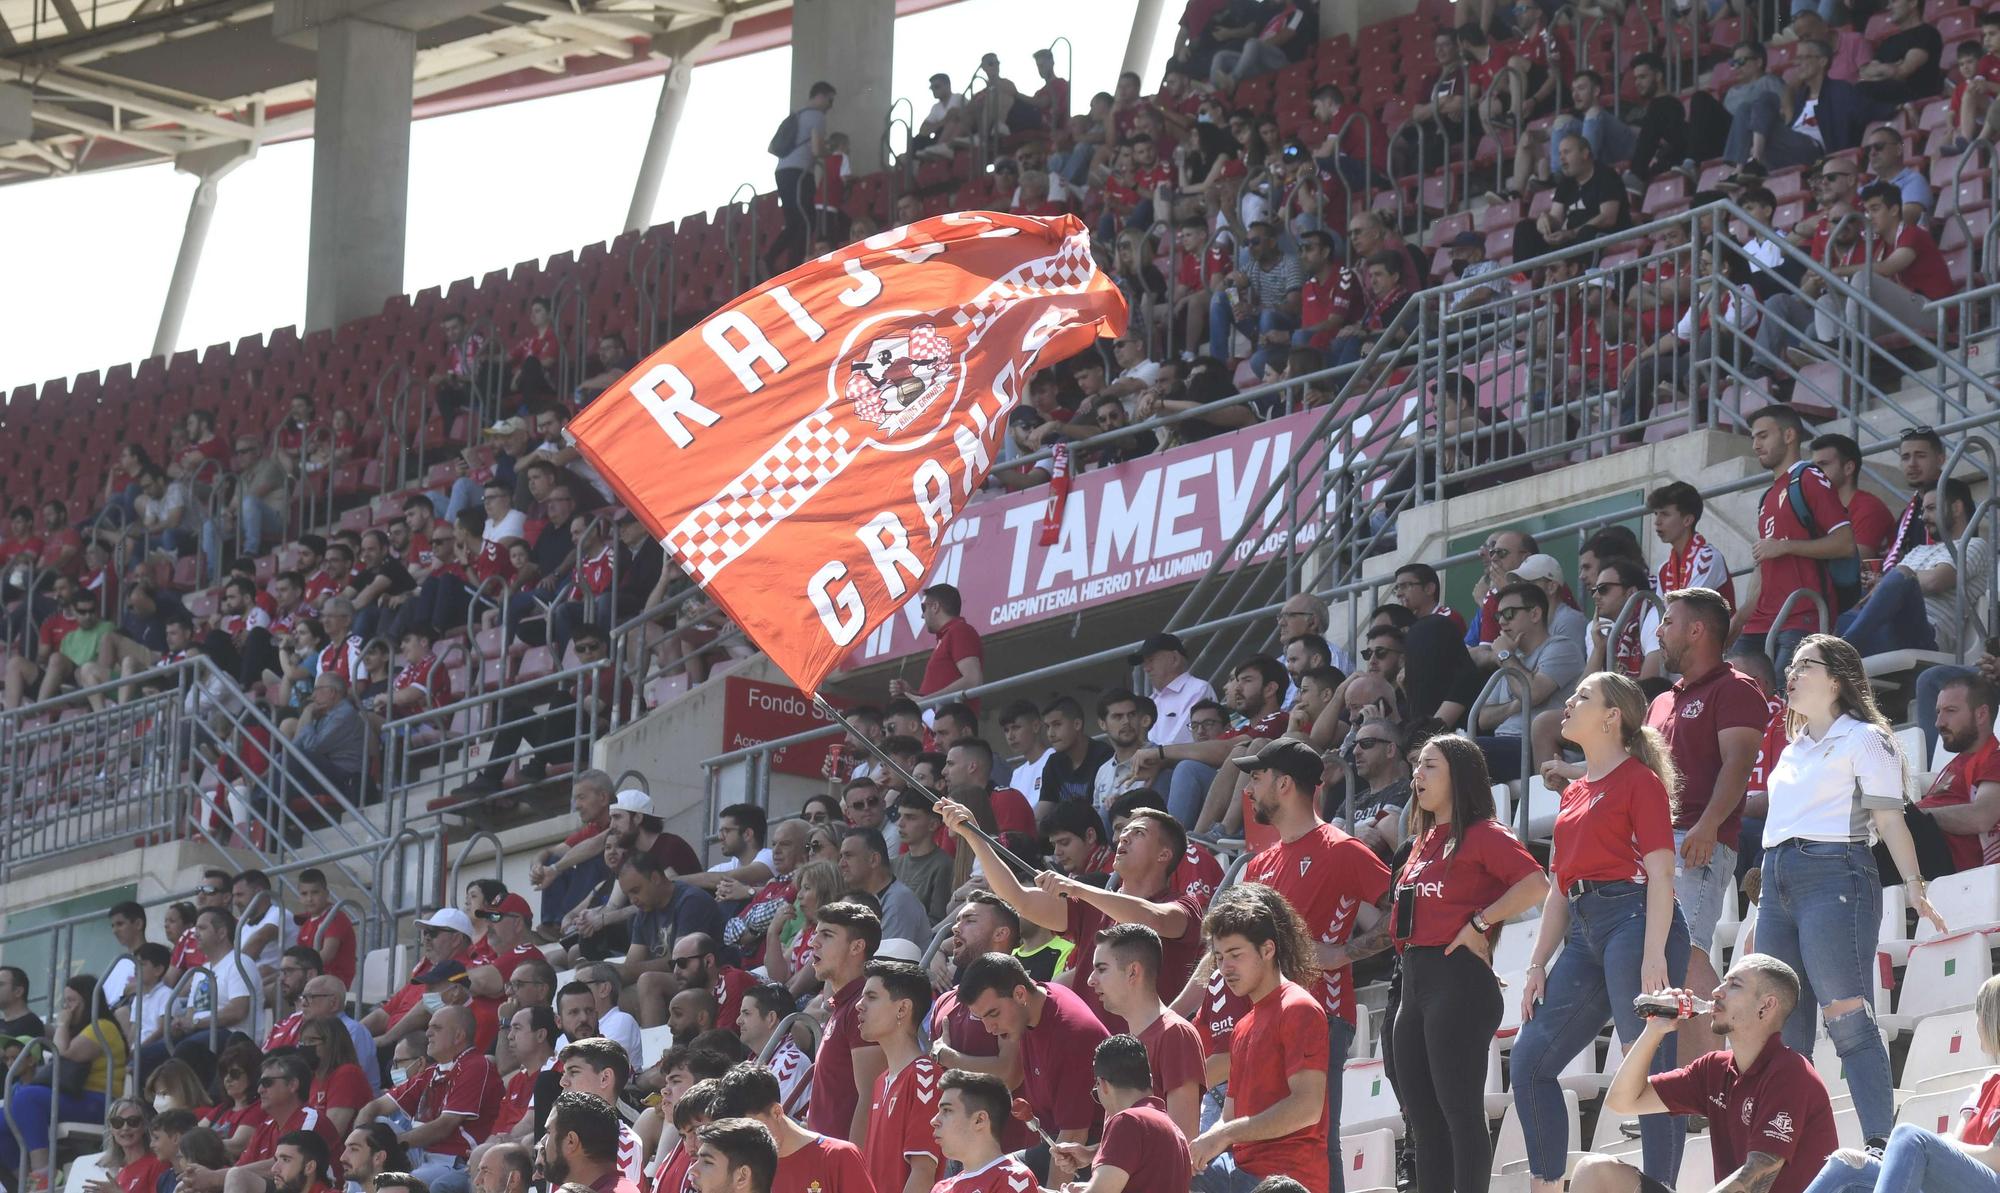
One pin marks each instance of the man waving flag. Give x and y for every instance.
(803, 449)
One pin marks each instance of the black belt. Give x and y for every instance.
(1580, 888)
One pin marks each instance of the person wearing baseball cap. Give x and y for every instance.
(1565, 619)
(636, 825)
(1176, 690)
(506, 427)
(444, 935)
(507, 938)
(1325, 874)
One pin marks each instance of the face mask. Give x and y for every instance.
(163, 1102)
(398, 1075)
(432, 1002)
(310, 1054)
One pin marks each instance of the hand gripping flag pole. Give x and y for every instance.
(1007, 855)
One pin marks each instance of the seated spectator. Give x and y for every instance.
(1553, 662)
(531, 1040)
(445, 935)
(1636, 654)
(330, 736)
(1662, 140)
(865, 868)
(1916, 604)
(1962, 807)
(566, 873)
(1262, 296)
(1389, 285)
(1075, 832)
(1256, 691)
(1376, 753)
(1609, 138)
(1720, 321)
(453, 1104)
(666, 909)
(1974, 83)
(553, 721)
(1753, 81)
(94, 1045)
(1054, 1034)
(756, 904)
(1590, 202)
(1818, 115)
(1908, 269)
(1884, 149)
(1909, 60)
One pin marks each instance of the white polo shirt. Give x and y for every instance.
(1825, 789)
(1175, 703)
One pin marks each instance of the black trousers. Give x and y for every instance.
(791, 245)
(1444, 1025)
(557, 725)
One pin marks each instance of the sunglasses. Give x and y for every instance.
(1369, 743)
(1601, 589)
(268, 1082)
(1507, 613)
(125, 1122)
(1378, 652)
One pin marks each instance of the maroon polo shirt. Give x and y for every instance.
(1691, 717)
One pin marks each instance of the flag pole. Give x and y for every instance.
(1006, 855)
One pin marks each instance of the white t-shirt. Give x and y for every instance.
(230, 985)
(1807, 123)
(619, 1026)
(152, 1011)
(727, 864)
(272, 953)
(1027, 777)
(117, 980)
(1824, 790)
(511, 525)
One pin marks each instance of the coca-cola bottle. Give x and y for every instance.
(1671, 1004)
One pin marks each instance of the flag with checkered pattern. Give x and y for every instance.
(801, 452)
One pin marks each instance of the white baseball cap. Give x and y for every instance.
(451, 919)
(632, 800)
(1539, 567)
(895, 948)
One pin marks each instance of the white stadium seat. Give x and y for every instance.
(1943, 975)
(1967, 900)
(1510, 1152)
(1936, 1111)
(1371, 1160)
(1943, 1049)
(1367, 1100)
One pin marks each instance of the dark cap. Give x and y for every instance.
(442, 972)
(1467, 240)
(1288, 756)
(1156, 644)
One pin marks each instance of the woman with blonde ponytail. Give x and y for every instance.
(1611, 906)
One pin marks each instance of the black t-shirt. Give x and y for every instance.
(1061, 781)
(1581, 201)
(28, 1026)
(1927, 79)
(399, 578)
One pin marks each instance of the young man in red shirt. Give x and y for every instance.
(1770, 1122)
(973, 1110)
(299, 1164)
(1275, 1117)
(805, 1160)
(1143, 1148)
(1791, 554)
(326, 931)
(900, 1149)
(581, 1146)
(958, 661)
(847, 935)
(1125, 973)
(733, 1155)
(1964, 800)
(1149, 848)
(1331, 879)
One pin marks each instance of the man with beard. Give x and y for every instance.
(764, 1007)
(985, 923)
(372, 1151)
(299, 1164)
(582, 1145)
(1963, 804)
(1127, 720)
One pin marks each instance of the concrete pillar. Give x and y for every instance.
(208, 166)
(1351, 16)
(659, 143)
(361, 169)
(851, 44)
(1139, 46)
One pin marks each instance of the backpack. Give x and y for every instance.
(1843, 574)
(786, 138)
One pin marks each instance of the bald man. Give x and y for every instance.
(691, 1013)
(325, 994)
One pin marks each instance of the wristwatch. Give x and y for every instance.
(1503, 654)
(1480, 925)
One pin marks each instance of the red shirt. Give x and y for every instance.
(517, 1097)
(285, 1032)
(1271, 724)
(1874, 525)
(1144, 1144)
(1217, 1017)
(227, 1121)
(673, 1175)
(1777, 1106)
(468, 1086)
(345, 1089)
(52, 630)
(1055, 1062)
(1779, 577)
(1173, 1049)
(954, 1023)
(728, 991)
(1453, 884)
(1605, 828)
(1340, 294)
(511, 960)
(1482, 74)
(344, 659)
(1775, 740)
(1956, 784)
(899, 1123)
(141, 1175)
(1198, 874)
(1928, 275)
(1004, 1175)
(1692, 717)
(1987, 68)
(1282, 1034)
(1178, 956)
(833, 1092)
(264, 1143)
(1698, 566)
(955, 642)
(187, 951)
(1325, 875)
(828, 1165)
(1984, 1111)
(426, 676)
(1011, 813)
(320, 584)
(32, 545)
(339, 928)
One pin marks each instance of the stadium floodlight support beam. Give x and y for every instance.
(851, 44)
(1139, 47)
(684, 47)
(208, 166)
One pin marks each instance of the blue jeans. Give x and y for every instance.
(1916, 1161)
(1595, 978)
(1221, 320)
(1503, 756)
(28, 1110)
(1930, 681)
(1187, 787)
(1892, 618)
(1825, 8)
(1609, 138)
(466, 494)
(1786, 641)
(441, 1174)
(1819, 913)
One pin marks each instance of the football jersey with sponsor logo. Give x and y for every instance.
(1005, 1175)
(899, 1123)
(1326, 875)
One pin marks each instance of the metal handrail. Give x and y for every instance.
(1627, 613)
(1512, 673)
(735, 254)
(1784, 618)
(362, 930)
(784, 1029)
(28, 1050)
(464, 850)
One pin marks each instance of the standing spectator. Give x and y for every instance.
(957, 662)
(945, 100)
(864, 867)
(799, 144)
(1769, 1116)
(1692, 561)
(1822, 901)
(975, 1111)
(847, 936)
(805, 1160)
(1909, 60)
(258, 513)
(1450, 1003)
(1839, 458)
(1275, 1118)
(581, 1147)
(1801, 529)
(1053, 1034)
(899, 1148)
(1613, 839)
(1125, 972)
(1143, 1147)
(1916, 605)
(922, 867)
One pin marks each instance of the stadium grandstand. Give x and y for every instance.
(1546, 437)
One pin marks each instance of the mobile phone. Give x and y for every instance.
(1405, 912)
(1993, 646)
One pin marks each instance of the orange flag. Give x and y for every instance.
(801, 451)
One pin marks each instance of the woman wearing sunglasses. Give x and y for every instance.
(1841, 776)
(1611, 908)
(127, 1152)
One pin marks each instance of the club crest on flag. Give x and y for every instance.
(801, 452)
